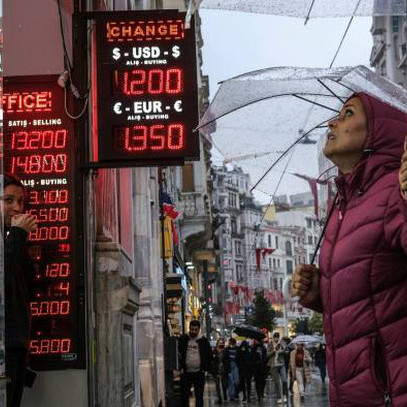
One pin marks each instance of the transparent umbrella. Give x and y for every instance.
(311, 8)
(269, 111)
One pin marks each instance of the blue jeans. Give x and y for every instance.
(233, 381)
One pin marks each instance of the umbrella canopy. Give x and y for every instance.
(306, 339)
(249, 331)
(311, 8)
(259, 114)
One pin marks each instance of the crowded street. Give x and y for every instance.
(317, 396)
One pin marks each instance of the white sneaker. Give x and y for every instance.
(280, 401)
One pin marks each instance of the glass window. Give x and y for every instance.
(289, 265)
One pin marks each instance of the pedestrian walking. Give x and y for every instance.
(246, 369)
(260, 368)
(300, 368)
(18, 270)
(232, 365)
(361, 282)
(219, 371)
(195, 359)
(320, 360)
(275, 355)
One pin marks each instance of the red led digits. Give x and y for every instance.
(58, 270)
(50, 346)
(33, 140)
(154, 138)
(176, 136)
(49, 233)
(52, 196)
(44, 308)
(152, 82)
(50, 214)
(36, 164)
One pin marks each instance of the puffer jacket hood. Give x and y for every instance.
(386, 131)
(363, 272)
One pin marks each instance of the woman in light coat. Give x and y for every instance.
(300, 367)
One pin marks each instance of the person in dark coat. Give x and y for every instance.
(361, 284)
(17, 267)
(260, 368)
(219, 371)
(246, 369)
(196, 358)
(320, 361)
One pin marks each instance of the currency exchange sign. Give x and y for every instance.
(147, 96)
(39, 148)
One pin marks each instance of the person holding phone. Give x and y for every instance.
(361, 283)
(17, 268)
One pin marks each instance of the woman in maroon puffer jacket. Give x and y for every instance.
(361, 285)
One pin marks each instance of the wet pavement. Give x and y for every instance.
(316, 396)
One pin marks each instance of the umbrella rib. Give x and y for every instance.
(284, 154)
(340, 83)
(330, 90)
(315, 103)
(309, 12)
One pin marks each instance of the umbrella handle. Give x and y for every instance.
(287, 291)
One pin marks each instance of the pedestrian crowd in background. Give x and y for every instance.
(234, 367)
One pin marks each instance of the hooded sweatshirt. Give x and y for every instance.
(363, 272)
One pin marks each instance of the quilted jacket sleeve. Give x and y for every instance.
(395, 222)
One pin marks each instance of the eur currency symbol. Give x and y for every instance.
(178, 106)
(175, 51)
(117, 108)
(116, 53)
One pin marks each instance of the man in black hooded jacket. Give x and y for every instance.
(17, 267)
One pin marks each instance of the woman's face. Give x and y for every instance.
(347, 132)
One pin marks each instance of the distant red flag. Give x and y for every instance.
(314, 190)
(261, 254)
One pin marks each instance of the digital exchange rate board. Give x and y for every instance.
(147, 95)
(39, 148)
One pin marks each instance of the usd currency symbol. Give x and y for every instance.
(175, 51)
(116, 53)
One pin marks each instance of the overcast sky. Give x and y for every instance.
(235, 43)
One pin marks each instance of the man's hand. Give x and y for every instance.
(24, 221)
(403, 171)
(305, 283)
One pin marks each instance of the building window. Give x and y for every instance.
(289, 265)
(232, 200)
(276, 242)
(274, 264)
(310, 241)
(309, 223)
(238, 248)
(275, 284)
(288, 248)
(269, 240)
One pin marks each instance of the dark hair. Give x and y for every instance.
(232, 340)
(276, 335)
(10, 179)
(195, 322)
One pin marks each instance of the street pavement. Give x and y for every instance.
(316, 396)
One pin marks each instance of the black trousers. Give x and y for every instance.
(246, 384)
(16, 365)
(260, 382)
(198, 381)
(221, 386)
